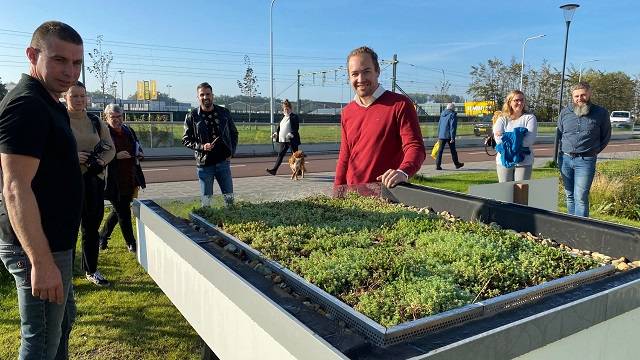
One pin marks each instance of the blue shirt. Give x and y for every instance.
(585, 134)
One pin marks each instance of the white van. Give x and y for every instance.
(621, 118)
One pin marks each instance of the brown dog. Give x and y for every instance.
(296, 163)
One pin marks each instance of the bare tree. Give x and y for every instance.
(3, 90)
(249, 83)
(100, 62)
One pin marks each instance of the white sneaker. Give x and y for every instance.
(98, 279)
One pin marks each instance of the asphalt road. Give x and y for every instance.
(183, 170)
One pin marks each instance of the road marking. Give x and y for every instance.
(237, 165)
(150, 170)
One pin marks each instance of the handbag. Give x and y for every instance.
(436, 148)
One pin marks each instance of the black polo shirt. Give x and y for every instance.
(32, 123)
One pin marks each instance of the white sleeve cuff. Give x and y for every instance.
(405, 174)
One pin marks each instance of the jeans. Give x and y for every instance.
(220, 172)
(577, 176)
(516, 173)
(92, 213)
(120, 214)
(452, 148)
(43, 325)
(284, 147)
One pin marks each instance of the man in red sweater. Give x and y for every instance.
(381, 138)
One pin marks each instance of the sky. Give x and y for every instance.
(181, 44)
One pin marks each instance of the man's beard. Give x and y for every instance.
(582, 109)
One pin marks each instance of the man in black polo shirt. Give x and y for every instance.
(41, 189)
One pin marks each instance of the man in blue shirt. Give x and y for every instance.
(585, 131)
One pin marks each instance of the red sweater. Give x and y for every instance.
(386, 135)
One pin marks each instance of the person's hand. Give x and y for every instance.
(498, 133)
(82, 156)
(391, 178)
(274, 136)
(207, 147)
(452, 141)
(46, 282)
(100, 162)
(123, 155)
(289, 136)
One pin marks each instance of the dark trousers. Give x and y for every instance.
(92, 213)
(284, 147)
(452, 147)
(120, 214)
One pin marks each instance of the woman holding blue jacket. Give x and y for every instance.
(515, 133)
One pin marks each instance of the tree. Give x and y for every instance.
(3, 90)
(493, 80)
(249, 83)
(101, 60)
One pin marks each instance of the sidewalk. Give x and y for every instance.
(281, 187)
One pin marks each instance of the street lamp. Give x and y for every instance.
(169, 93)
(271, 56)
(523, 45)
(581, 65)
(121, 72)
(568, 10)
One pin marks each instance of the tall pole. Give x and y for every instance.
(394, 63)
(581, 65)
(271, 57)
(169, 93)
(564, 63)
(121, 72)
(522, 64)
(298, 101)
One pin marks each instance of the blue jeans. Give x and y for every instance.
(220, 172)
(41, 322)
(577, 176)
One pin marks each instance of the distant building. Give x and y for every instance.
(139, 105)
(435, 109)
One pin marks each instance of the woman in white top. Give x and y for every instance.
(514, 115)
(286, 134)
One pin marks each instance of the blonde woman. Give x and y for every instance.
(509, 128)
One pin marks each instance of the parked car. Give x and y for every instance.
(620, 118)
(484, 126)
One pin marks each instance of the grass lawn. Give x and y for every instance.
(132, 319)
(461, 181)
(170, 134)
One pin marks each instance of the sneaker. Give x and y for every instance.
(438, 168)
(98, 279)
(132, 248)
(458, 166)
(271, 172)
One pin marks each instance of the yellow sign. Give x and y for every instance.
(147, 90)
(479, 108)
(140, 90)
(153, 90)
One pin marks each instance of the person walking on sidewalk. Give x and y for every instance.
(286, 134)
(514, 116)
(95, 150)
(447, 127)
(584, 130)
(381, 138)
(41, 198)
(123, 177)
(211, 133)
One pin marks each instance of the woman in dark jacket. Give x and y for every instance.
(286, 134)
(124, 176)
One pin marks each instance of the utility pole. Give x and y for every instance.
(298, 101)
(393, 77)
(121, 72)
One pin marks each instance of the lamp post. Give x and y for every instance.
(271, 62)
(169, 93)
(121, 72)
(581, 65)
(523, 46)
(568, 10)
